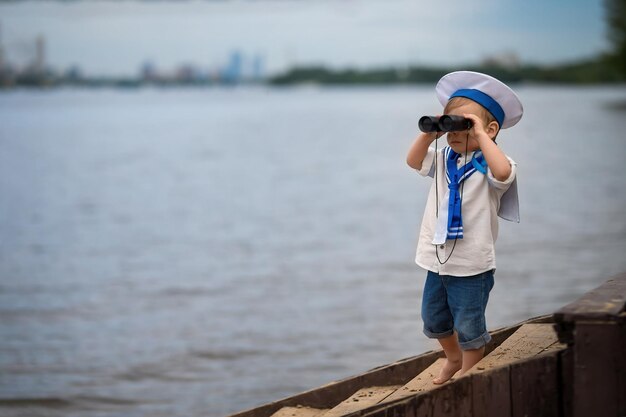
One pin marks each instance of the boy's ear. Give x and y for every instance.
(492, 129)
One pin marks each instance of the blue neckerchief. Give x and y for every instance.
(455, 176)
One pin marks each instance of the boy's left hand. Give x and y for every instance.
(478, 128)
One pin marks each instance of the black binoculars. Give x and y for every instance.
(445, 123)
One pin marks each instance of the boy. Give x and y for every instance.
(474, 183)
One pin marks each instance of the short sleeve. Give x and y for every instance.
(503, 185)
(428, 164)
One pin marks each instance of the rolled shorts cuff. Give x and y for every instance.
(479, 342)
(432, 335)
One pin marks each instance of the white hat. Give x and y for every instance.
(492, 94)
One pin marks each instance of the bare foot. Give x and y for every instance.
(448, 370)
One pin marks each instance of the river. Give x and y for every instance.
(196, 252)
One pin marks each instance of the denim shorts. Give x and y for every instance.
(454, 303)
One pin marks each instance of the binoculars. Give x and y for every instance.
(445, 123)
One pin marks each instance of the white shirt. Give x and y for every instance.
(475, 253)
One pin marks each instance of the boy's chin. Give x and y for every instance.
(457, 147)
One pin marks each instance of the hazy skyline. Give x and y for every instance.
(116, 38)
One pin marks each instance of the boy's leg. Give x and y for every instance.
(471, 357)
(455, 358)
(439, 324)
(467, 297)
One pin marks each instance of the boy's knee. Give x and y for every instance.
(438, 323)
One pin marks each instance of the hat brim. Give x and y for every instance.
(496, 89)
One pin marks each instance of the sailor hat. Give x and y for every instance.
(492, 94)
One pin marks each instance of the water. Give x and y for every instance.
(198, 252)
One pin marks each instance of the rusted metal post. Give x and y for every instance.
(594, 327)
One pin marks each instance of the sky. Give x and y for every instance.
(116, 37)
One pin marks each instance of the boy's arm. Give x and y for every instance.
(418, 150)
(496, 159)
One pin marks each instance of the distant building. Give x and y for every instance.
(3, 63)
(214, 74)
(36, 73)
(73, 74)
(7, 74)
(233, 71)
(39, 64)
(258, 67)
(149, 72)
(188, 74)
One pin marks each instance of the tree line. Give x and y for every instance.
(606, 68)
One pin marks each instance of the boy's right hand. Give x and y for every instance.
(420, 146)
(428, 137)
(432, 136)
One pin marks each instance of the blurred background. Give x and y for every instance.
(205, 206)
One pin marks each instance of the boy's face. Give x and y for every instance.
(462, 141)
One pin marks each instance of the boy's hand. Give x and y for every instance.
(478, 128)
(431, 136)
(496, 160)
(420, 146)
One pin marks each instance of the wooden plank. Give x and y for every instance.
(553, 348)
(491, 393)
(299, 411)
(594, 326)
(491, 386)
(361, 400)
(421, 383)
(621, 365)
(598, 352)
(331, 394)
(529, 340)
(418, 406)
(567, 382)
(452, 400)
(491, 377)
(397, 373)
(446, 400)
(534, 387)
(486, 389)
(605, 302)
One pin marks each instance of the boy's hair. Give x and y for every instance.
(487, 117)
(455, 102)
